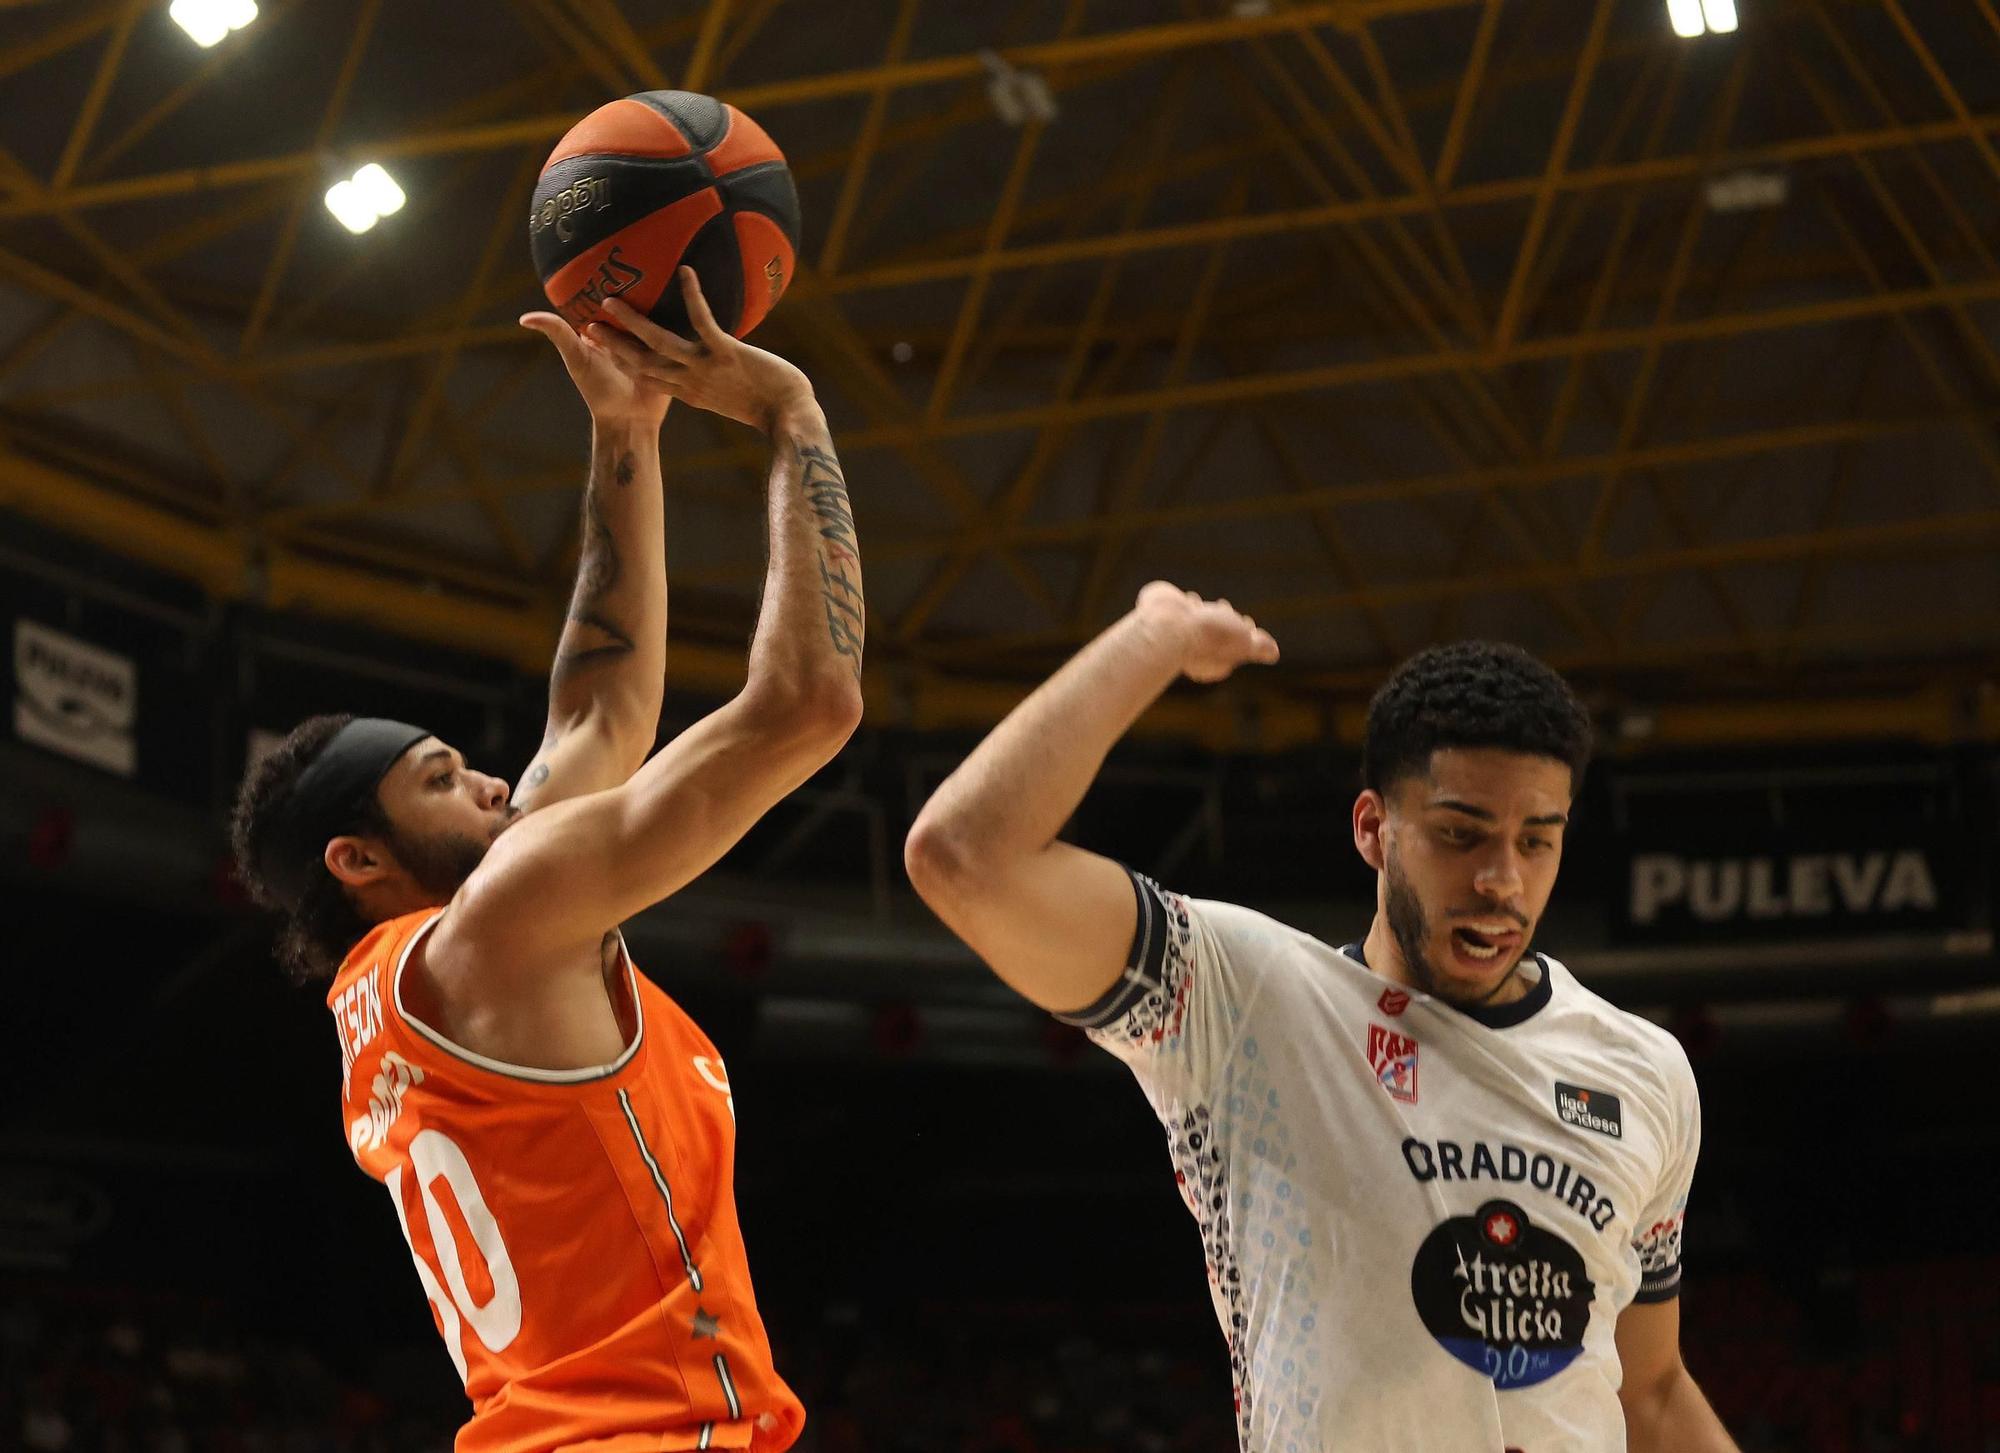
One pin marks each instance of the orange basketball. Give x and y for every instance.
(656, 180)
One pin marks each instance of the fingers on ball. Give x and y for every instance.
(661, 340)
(697, 305)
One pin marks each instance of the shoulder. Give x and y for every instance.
(1234, 929)
(384, 944)
(1261, 956)
(1647, 1051)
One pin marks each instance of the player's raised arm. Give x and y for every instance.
(562, 877)
(606, 685)
(1054, 921)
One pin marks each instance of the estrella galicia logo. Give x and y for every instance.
(1507, 1298)
(1590, 1109)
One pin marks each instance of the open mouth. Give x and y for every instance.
(1484, 943)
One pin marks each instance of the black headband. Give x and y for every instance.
(323, 800)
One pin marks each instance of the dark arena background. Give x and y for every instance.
(1672, 357)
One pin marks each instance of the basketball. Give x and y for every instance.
(664, 178)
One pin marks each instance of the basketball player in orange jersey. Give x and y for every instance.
(556, 1135)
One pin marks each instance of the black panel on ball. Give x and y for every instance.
(702, 119)
(592, 197)
(718, 262)
(766, 188)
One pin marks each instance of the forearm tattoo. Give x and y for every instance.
(598, 568)
(839, 551)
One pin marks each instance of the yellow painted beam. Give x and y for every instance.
(1243, 715)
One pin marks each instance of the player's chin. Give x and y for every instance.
(1476, 967)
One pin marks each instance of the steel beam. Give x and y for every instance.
(1509, 322)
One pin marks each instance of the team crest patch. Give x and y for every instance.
(1589, 1110)
(1393, 1002)
(1393, 1057)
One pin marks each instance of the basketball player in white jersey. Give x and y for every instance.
(1439, 1183)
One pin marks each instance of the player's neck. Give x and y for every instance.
(1385, 958)
(380, 902)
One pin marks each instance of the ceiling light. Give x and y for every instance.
(1747, 191)
(208, 21)
(1693, 18)
(364, 198)
(1686, 18)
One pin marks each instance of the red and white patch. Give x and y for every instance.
(1393, 1002)
(1393, 1057)
(1502, 1229)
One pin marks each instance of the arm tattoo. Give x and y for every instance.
(597, 570)
(537, 775)
(826, 493)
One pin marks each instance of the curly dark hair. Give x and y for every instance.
(1472, 694)
(316, 934)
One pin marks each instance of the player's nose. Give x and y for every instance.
(1499, 878)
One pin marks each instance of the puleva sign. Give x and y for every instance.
(1796, 892)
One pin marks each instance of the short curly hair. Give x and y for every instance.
(1472, 694)
(317, 933)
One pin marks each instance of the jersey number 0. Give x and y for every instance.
(435, 1156)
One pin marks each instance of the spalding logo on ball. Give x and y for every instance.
(654, 181)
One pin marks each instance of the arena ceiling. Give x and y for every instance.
(1392, 320)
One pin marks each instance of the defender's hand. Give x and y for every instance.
(716, 372)
(616, 389)
(1216, 637)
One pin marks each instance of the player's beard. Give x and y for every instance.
(1411, 930)
(440, 863)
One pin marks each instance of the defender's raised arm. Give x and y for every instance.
(1053, 920)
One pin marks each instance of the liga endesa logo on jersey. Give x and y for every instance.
(1393, 1057)
(1507, 1298)
(1589, 1110)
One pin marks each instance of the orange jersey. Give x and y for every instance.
(574, 1230)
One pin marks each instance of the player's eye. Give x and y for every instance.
(443, 779)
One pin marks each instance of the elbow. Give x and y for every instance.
(830, 711)
(937, 859)
(818, 715)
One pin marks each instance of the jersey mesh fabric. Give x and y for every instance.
(1420, 1228)
(575, 1232)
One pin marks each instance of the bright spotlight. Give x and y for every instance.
(364, 198)
(208, 21)
(1720, 15)
(1686, 18)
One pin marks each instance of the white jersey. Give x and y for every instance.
(1421, 1223)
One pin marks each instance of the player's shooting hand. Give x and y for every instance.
(616, 388)
(716, 372)
(1216, 637)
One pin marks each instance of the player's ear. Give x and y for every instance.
(1371, 819)
(357, 861)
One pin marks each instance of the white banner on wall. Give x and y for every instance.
(75, 698)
